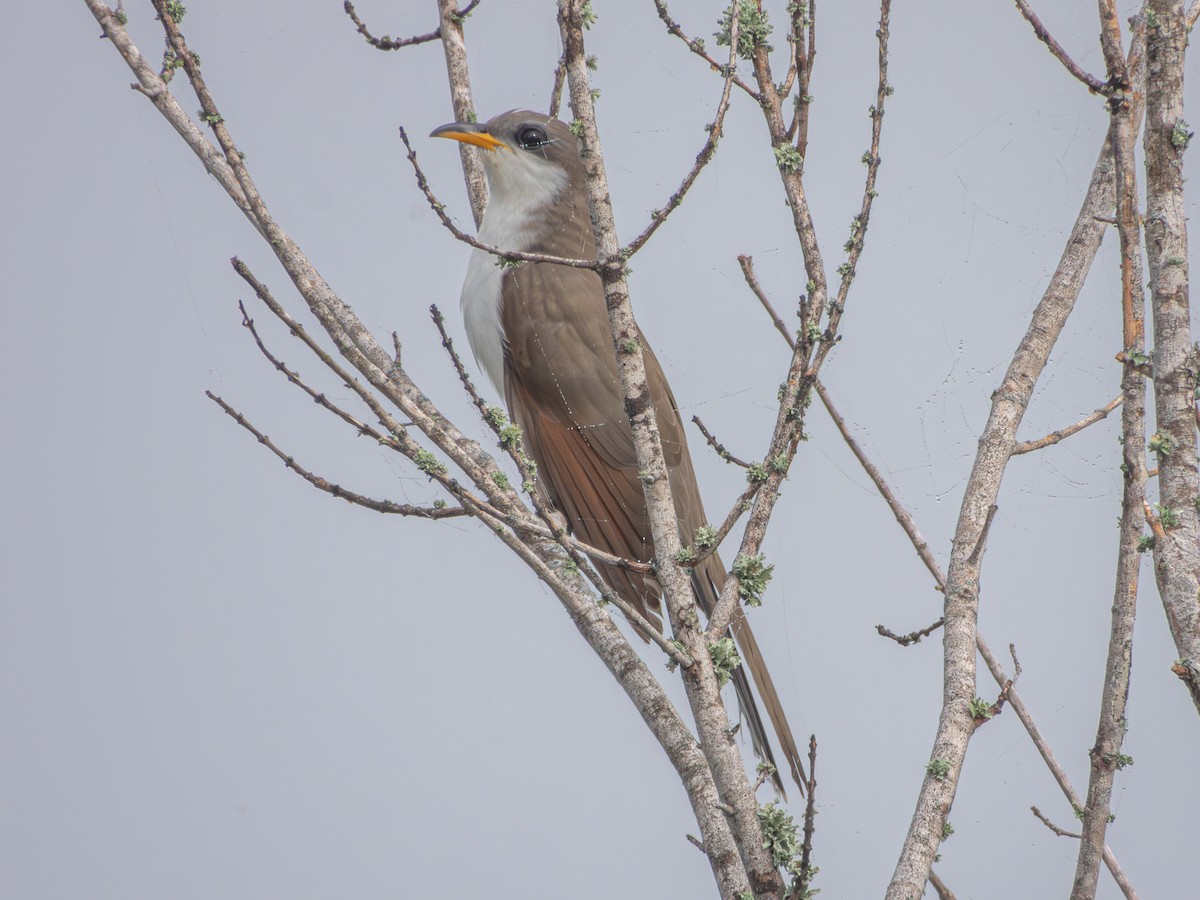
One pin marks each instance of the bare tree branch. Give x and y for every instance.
(810, 314)
(560, 77)
(1059, 831)
(939, 887)
(747, 264)
(388, 43)
(807, 871)
(1106, 756)
(697, 47)
(382, 506)
(703, 158)
(1093, 83)
(913, 637)
(1009, 402)
(885, 491)
(804, 18)
(502, 256)
(1055, 436)
(997, 671)
(1166, 137)
(717, 446)
(700, 682)
(450, 26)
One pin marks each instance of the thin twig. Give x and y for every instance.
(581, 554)
(1094, 84)
(806, 872)
(747, 264)
(939, 887)
(462, 101)
(294, 378)
(718, 446)
(477, 401)
(739, 508)
(859, 224)
(1105, 755)
(997, 671)
(560, 77)
(697, 47)
(388, 43)
(703, 158)
(805, 61)
(913, 637)
(1059, 831)
(364, 352)
(509, 256)
(903, 517)
(1055, 436)
(382, 506)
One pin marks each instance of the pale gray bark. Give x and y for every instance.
(703, 691)
(1009, 402)
(455, 49)
(1177, 546)
(545, 557)
(1105, 755)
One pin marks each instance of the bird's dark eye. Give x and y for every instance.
(531, 137)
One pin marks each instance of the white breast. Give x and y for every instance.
(521, 184)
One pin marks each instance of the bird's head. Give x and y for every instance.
(529, 157)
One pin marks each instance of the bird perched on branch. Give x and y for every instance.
(541, 333)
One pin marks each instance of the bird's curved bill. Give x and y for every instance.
(469, 133)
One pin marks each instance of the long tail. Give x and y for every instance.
(707, 582)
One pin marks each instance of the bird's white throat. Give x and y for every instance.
(522, 186)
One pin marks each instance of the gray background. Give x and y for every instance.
(218, 682)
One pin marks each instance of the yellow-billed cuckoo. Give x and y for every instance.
(540, 331)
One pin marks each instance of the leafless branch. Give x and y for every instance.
(717, 446)
(1055, 436)
(737, 855)
(578, 550)
(962, 583)
(503, 256)
(939, 887)
(454, 48)
(707, 152)
(739, 507)
(468, 386)
(997, 671)
(1114, 56)
(885, 491)
(806, 871)
(1105, 754)
(801, 67)
(697, 47)
(560, 76)
(381, 506)
(807, 355)
(747, 264)
(1094, 84)
(913, 637)
(1166, 137)
(294, 378)
(1059, 831)
(858, 225)
(388, 43)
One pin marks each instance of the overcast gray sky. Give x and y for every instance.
(217, 682)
